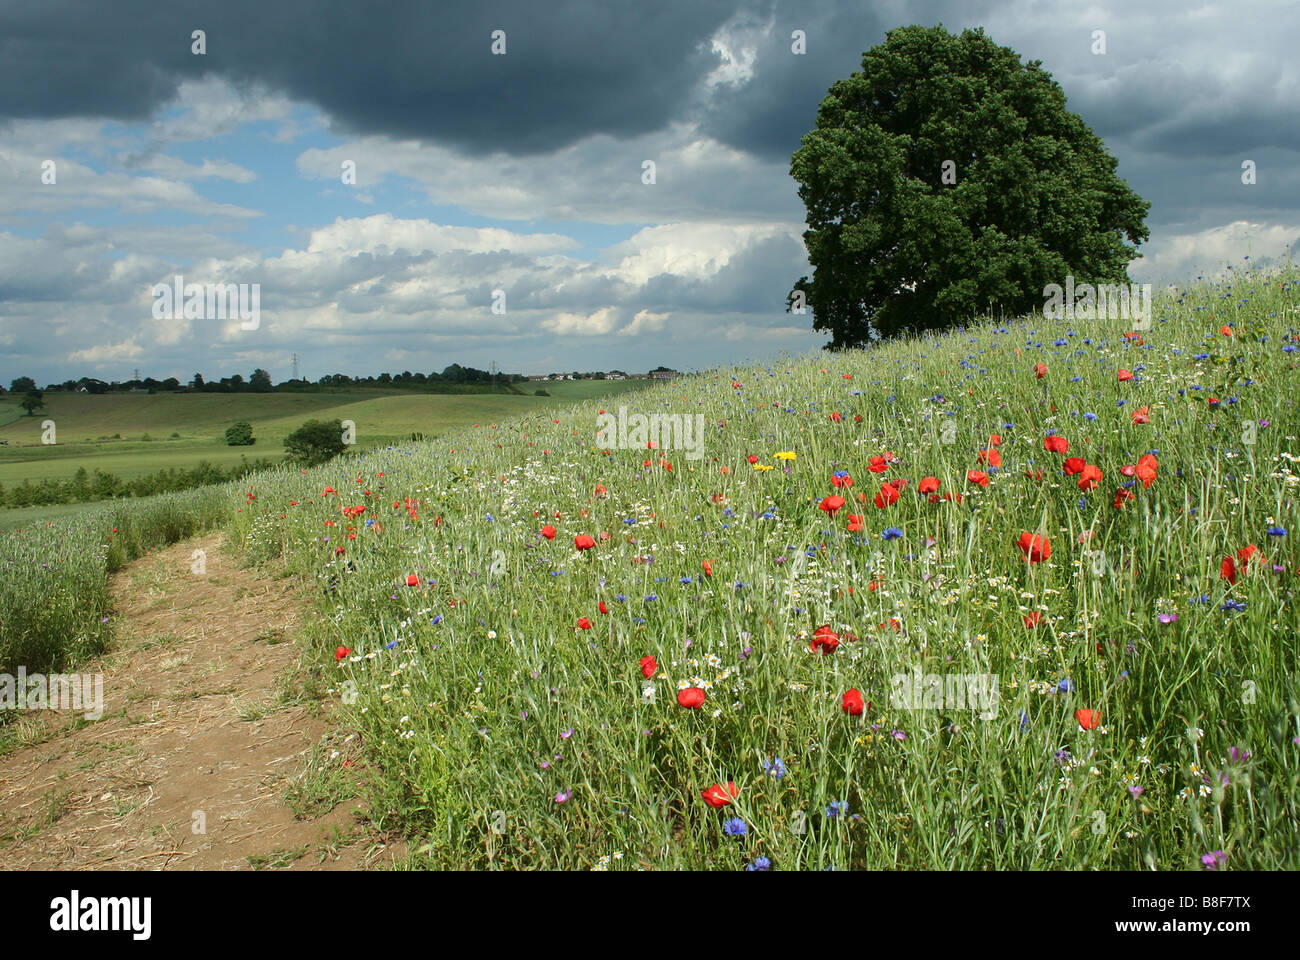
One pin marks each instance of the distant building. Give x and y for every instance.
(662, 373)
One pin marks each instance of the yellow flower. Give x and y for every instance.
(763, 466)
(787, 455)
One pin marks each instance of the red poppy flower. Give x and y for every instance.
(1074, 465)
(842, 481)
(831, 504)
(1146, 470)
(342, 652)
(719, 796)
(1122, 497)
(548, 532)
(1034, 474)
(1040, 370)
(836, 418)
(1033, 620)
(602, 608)
(1088, 719)
(1034, 547)
(1228, 570)
(1056, 444)
(412, 580)
(888, 495)
(990, 456)
(1245, 553)
(878, 465)
(852, 703)
(649, 666)
(692, 698)
(824, 639)
(855, 522)
(928, 485)
(978, 476)
(708, 568)
(1142, 415)
(1226, 330)
(1089, 477)
(1125, 374)
(584, 623)
(752, 459)
(584, 541)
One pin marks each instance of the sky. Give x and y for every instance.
(523, 172)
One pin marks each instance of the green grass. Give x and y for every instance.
(19, 518)
(381, 417)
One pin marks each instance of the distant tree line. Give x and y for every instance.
(259, 381)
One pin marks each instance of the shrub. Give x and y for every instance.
(240, 434)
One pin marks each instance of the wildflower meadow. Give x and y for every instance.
(1018, 596)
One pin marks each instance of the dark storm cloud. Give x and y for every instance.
(417, 70)
(769, 115)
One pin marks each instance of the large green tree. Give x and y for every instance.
(947, 179)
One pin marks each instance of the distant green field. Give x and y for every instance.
(85, 423)
(27, 518)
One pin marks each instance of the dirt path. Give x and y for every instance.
(213, 751)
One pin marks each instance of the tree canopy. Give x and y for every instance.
(945, 180)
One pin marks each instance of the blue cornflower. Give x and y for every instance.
(892, 533)
(437, 619)
(762, 863)
(1065, 686)
(1231, 604)
(775, 769)
(1090, 416)
(1277, 531)
(686, 580)
(735, 827)
(837, 809)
